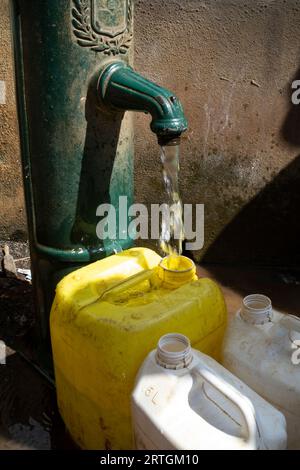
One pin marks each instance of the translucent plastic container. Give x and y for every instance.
(185, 400)
(262, 347)
(106, 318)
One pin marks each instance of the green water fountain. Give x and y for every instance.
(74, 84)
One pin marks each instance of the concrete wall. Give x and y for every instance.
(232, 63)
(12, 214)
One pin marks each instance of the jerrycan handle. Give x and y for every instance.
(232, 394)
(131, 281)
(292, 324)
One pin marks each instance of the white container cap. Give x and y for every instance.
(257, 309)
(174, 351)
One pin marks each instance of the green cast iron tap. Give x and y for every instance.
(121, 88)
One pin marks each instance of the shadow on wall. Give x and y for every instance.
(98, 159)
(270, 223)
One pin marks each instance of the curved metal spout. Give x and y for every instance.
(122, 89)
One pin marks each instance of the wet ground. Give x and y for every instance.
(29, 418)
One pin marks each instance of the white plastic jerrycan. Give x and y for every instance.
(185, 400)
(262, 348)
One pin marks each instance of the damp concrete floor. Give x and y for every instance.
(29, 418)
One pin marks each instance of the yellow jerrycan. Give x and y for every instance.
(106, 318)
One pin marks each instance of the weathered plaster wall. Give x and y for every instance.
(12, 214)
(232, 63)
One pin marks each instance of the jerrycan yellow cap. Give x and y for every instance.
(175, 271)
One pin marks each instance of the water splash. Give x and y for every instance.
(172, 229)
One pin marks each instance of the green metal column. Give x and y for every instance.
(75, 156)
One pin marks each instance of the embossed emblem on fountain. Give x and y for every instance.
(103, 25)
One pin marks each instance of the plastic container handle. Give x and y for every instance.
(292, 324)
(243, 403)
(131, 281)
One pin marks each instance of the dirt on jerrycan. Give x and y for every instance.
(106, 318)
